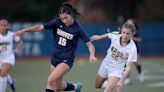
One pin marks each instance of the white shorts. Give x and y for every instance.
(10, 59)
(107, 70)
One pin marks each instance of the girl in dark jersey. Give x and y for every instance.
(67, 33)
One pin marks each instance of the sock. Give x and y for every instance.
(49, 90)
(104, 84)
(3, 84)
(9, 79)
(139, 68)
(69, 87)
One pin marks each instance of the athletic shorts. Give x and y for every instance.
(107, 70)
(10, 59)
(56, 62)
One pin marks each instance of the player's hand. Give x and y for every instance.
(95, 37)
(15, 51)
(18, 33)
(92, 59)
(119, 86)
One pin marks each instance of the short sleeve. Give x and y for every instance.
(83, 36)
(110, 35)
(51, 24)
(132, 54)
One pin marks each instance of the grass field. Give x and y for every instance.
(31, 75)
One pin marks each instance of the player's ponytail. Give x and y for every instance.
(69, 9)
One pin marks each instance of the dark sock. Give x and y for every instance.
(139, 68)
(69, 87)
(49, 90)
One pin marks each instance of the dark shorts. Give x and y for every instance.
(56, 62)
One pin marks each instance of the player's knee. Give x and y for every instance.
(58, 87)
(50, 82)
(97, 86)
(110, 87)
(3, 74)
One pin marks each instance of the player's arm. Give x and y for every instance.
(34, 28)
(99, 37)
(18, 46)
(91, 48)
(137, 39)
(125, 75)
(126, 71)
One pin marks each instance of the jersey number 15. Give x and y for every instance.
(62, 41)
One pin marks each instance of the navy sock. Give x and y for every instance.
(49, 90)
(139, 68)
(69, 87)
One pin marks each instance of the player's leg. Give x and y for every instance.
(61, 85)
(55, 80)
(140, 72)
(112, 82)
(101, 75)
(3, 76)
(100, 82)
(139, 69)
(11, 82)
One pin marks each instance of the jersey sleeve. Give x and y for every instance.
(132, 54)
(83, 36)
(51, 24)
(113, 35)
(110, 35)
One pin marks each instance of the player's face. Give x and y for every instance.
(3, 25)
(66, 19)
(126, 34)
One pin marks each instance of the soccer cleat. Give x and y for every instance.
(12, 85)
(78, 87)
(141, 77)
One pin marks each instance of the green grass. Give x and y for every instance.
(31, 75)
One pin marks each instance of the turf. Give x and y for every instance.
(31, 75)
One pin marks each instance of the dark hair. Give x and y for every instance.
(69, 9)
(130, 26)
(3, 18)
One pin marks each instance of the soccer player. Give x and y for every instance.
(121, 51)
(11, 82)
(7, 58)
(67, 32)
(137, 39)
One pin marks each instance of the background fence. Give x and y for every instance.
(40, 43)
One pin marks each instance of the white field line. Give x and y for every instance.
(153, 77)
(159, 76)
(158, 84)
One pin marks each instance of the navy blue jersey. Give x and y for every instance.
(65, 38)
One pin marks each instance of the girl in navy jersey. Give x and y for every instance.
(67, 33)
